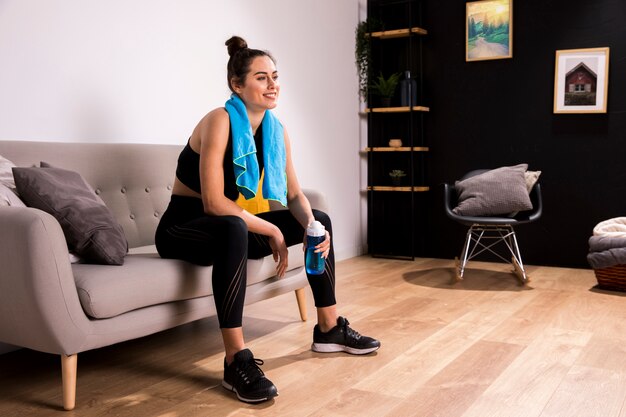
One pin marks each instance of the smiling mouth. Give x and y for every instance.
(270, 95)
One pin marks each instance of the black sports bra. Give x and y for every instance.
(188, 168)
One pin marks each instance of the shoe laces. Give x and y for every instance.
(249, 370)
(349, 331)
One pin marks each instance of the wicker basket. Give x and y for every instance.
(612, 278)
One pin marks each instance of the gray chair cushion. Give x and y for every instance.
(499, 191)
(88, 225)
(531, 179)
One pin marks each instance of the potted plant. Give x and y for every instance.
(396, 176)
(385, 87)
(362, 52)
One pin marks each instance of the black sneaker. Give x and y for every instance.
(244, 377)
(342, 338)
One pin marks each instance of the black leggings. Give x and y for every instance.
(186, 232)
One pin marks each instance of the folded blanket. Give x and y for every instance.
(607, 258)
(606, 251)
(602, 243)
(615, 227)
(244, 153)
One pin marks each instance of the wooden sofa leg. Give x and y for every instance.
(69, 367)
(301, 298)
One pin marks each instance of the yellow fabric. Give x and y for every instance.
(257, 204)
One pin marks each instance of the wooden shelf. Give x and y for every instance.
(404, 109)
(398, 33)
(397, 204)
(418, 189)
(397, 149)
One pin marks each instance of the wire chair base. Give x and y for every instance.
(484, 238)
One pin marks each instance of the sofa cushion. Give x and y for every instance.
(146, 279)
(6, 175)
(8, 193)
(88, 225)
(9, 198)
(499, 191)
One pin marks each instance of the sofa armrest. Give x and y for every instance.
(39, 305)
(317, 199)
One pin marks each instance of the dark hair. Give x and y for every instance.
(240, 58)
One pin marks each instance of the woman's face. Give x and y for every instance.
(260, 88)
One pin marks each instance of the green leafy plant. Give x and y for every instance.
(363, 52)
(385, 87)
(397, 173)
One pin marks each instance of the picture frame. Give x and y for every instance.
(488, 30)
(581, 80)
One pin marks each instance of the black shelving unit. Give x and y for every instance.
(396, 212)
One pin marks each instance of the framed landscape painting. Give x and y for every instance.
(488, 30)
(581, 79)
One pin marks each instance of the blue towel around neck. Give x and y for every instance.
(245, 161)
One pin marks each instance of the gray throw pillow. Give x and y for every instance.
(45, 164)
(497, 192)
(90, 229)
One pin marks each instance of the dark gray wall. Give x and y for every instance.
(493, 113)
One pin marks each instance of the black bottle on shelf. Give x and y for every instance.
(408, 90)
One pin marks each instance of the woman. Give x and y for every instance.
(239, 154)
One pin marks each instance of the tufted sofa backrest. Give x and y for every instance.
(134, 180)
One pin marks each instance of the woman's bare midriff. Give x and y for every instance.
(182, 190)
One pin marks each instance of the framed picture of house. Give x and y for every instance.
(581, 79)
(488, 30)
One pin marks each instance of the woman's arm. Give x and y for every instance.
(213, 131)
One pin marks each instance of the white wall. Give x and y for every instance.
(148, 70)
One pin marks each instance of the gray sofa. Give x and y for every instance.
(52, 305)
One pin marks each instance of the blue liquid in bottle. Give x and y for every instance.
(314, 262)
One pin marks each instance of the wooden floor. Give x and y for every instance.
(483, 347)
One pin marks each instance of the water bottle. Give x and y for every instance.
(408, 90)
(315, 234)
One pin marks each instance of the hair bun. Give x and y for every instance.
(235, 44)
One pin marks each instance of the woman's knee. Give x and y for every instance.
(234, 226)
